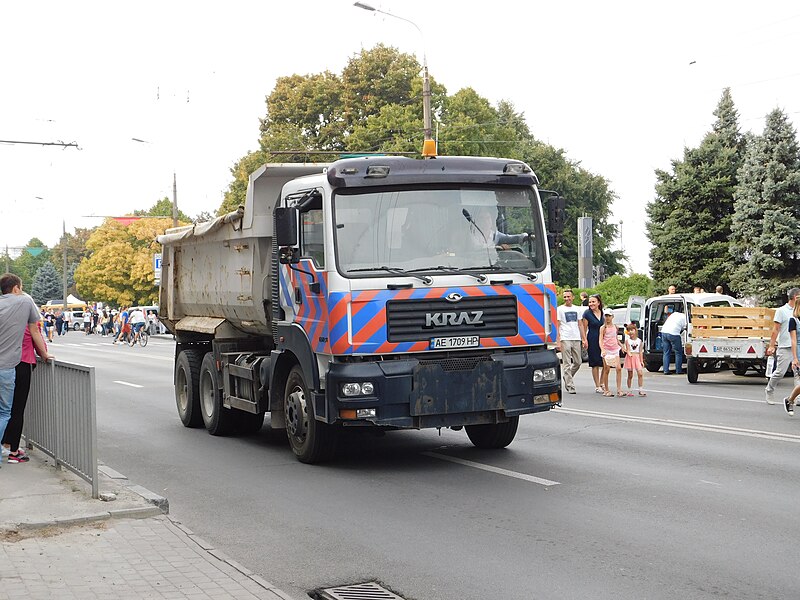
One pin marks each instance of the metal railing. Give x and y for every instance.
(61, 417)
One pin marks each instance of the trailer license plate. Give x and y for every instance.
(465, 341)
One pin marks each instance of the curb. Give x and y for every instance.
(221, 556)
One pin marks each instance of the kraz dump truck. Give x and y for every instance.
(383, 292)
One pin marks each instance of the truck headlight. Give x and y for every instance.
(352, 389)
(548, 374)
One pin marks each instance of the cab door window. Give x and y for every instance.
(312, 231)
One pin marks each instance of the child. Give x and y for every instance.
(633, 357)
(610, 345)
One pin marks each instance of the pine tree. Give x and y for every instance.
(689, 221)
(46, 284)
(765, 239)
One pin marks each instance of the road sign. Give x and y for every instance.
(157, 265)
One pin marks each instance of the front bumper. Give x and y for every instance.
(418, 392)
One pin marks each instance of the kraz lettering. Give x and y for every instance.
(453, 318)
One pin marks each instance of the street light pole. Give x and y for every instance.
(64, 266)
(174, 187)
(429, 144)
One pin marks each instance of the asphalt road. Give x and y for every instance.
(687, 493)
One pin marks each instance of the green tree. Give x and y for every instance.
(375, 106)
(162, 208)
(120, 268)
(689, 221)
(33, 256)
(765, 239)
(47, 284)
(76, 252)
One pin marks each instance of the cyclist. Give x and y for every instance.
(137, 321)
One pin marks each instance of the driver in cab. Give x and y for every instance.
(487, 225)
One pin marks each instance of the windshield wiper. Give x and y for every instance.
(496, 267)
(425, 279)
(481, 278)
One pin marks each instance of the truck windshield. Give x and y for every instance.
(415, 229)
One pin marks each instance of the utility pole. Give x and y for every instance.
(174, 200)
(64, 253)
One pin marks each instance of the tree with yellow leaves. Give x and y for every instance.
(119, 270)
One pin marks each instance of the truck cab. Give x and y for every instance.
(650, 314)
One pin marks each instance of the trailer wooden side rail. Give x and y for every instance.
(731, 322)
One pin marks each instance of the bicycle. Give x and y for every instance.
(140, 336)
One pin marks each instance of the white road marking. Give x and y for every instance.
(761, 401)
(710, 482)
(134, 385)
(767, 435)
(498, 470)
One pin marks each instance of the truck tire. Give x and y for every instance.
(311, 441)
(497, 435)
(692, 369)
(740, 371)
(217, 419)
(187, 397)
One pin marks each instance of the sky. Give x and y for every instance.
(622, 87)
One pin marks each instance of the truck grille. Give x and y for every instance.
(420, 320)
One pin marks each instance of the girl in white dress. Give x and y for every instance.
(633, 357)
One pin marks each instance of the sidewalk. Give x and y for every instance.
(56, 541)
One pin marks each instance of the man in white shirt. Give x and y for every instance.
(671, 341)
(780, 344)
(568, 339)
(137, 320)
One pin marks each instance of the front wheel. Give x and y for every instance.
(312, 441)
(144, 337)
(498, 435)
(692, 370)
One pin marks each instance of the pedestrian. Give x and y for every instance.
(794, 326)
(124, 327)
(87, 321)
(633, 357)
(780, 345)
(590, 333)
(611, 347)
(60, 322)
(67, 321)
(671, 341)
(22, 386)
(584, 299)
(152, 320)
(568, 339)
(17, 310)
(672, 290)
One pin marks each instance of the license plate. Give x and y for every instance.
(464, 341)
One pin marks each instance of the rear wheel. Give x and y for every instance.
(498, 435)
(217, 419)
(692, 370)
(144, 337)
(312, 441)
(187, 397)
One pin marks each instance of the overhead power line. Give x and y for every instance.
(62, 144)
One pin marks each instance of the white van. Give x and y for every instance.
(651, 313)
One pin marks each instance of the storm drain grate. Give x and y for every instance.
(358, 591)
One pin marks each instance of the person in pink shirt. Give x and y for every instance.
(610, 345)
(22, 386)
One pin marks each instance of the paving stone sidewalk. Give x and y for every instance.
(123, 559)
(56, 542)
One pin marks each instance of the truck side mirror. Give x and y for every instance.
(556, 214)
(286, 226)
